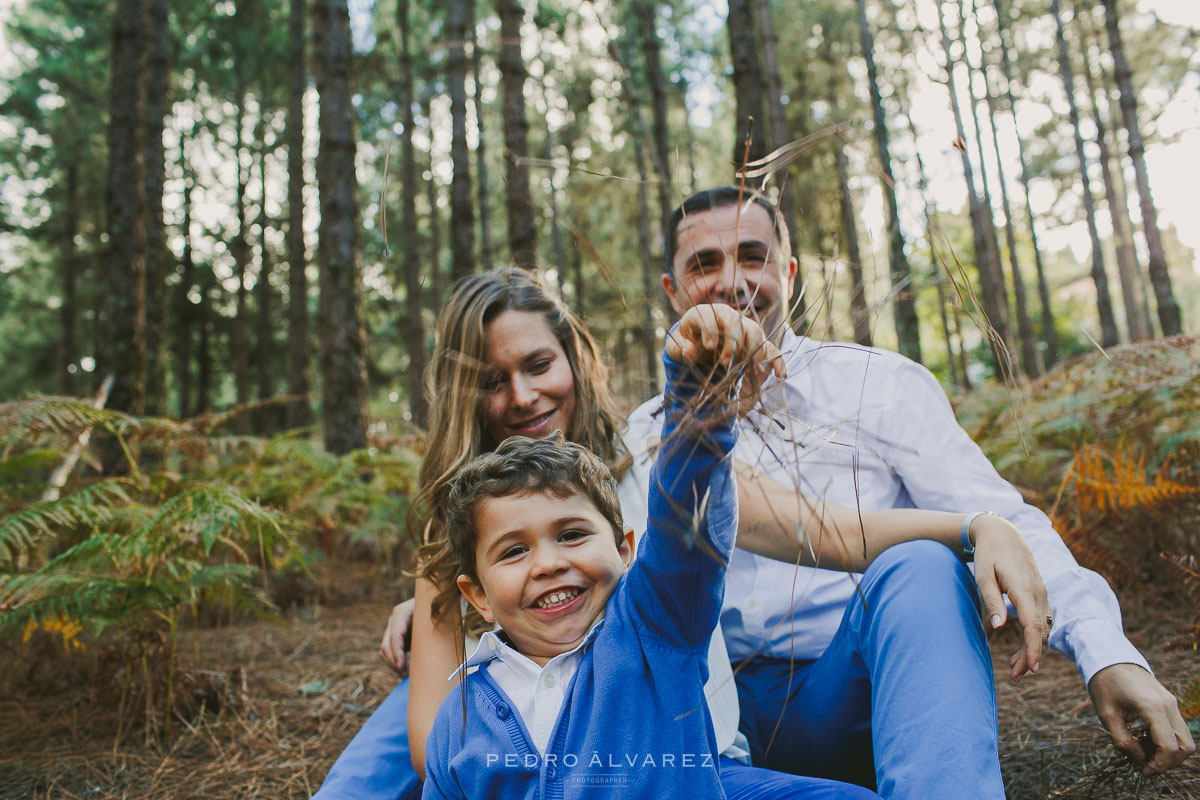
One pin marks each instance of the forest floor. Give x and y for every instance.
(289, 696)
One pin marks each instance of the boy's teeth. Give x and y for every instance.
(557, 597)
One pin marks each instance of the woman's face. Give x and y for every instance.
(529, 389)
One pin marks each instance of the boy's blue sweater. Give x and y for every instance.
(634, 722)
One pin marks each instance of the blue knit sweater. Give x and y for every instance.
(634, 722)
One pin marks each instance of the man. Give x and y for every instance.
(854, 425)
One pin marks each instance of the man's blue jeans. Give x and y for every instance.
(903, 698)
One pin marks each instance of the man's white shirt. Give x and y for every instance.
(867, 428)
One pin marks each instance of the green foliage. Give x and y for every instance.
(198, 522)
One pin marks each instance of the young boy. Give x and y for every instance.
(593, 686)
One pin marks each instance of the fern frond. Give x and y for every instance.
(91, 506)
(1127, 487)
(33, 417)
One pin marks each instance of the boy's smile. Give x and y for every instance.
(547, 566)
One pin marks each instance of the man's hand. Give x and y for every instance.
(1123, 693)
(1005, 565)
(398, 638)
(718, 334)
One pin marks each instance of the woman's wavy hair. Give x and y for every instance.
(454, 383)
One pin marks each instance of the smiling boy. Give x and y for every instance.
(593, 683)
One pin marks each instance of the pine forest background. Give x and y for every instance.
(248, 214)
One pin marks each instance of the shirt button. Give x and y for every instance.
(551, 772)
(548, 679)
(502, 711)
(492, 644)
(753, 604)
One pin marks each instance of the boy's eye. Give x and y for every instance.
(571, 535)
(512, 552)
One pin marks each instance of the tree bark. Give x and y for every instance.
(239, 344)
(299, 348)
(904, 307)
(1160, 276)
(414, 329)
(487, 255)
(159, 263)
(649, 335)
(779, 132)
(1127, 266)
(521, 232)
(1049, 334)
(991, 284)
(435, 221)
(462, 203)
(343, 373)
(68, 312)
(184, 316)
(1108, 322)
(123, 337)
(748, 83)
(264, 334)
(1029, 355)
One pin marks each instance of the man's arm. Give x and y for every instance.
(941, 467)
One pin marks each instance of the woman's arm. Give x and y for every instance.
(778, 522)
(436, 653)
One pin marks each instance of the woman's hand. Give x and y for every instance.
(1005, 565)
(397, 639)
(718, 334)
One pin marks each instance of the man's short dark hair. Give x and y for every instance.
(520, 465)
(720, 197)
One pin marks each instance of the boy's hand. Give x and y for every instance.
(717, 334)
(1005, 565)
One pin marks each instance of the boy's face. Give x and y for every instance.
(547, 566)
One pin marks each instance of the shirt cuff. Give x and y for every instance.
(1096, 644)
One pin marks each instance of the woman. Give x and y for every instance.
(511, 359)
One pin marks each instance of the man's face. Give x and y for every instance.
(724, 256)
(546, 567)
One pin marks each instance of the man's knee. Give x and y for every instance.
(923, 567)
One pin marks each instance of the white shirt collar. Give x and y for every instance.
(492, 645)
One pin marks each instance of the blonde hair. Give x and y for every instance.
(453, 384)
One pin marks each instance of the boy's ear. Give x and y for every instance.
(625, 547)
(476, 597)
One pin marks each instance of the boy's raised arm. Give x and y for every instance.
(677, 579)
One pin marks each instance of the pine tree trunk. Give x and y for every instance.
(206, 327)
(487, 254)
(299, 348)
(1160, 276)
(652, 56)
(990, 282)
(748, 83)
(904, 307)
(239, 343)
(184, 316)
(779, 132)
(436, 283)
(265, 368)
(69, 264)
(1121, 185)
(343, 373)
(987, 207)
(521, 232)
(649, 334)
(159, 263)
(860, 315)
(1127, 266)
(560, 261)
(123, 332)
(462, 202)
(414, 329)
(1049, 334)
(1030, 362)
(1108, 322)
